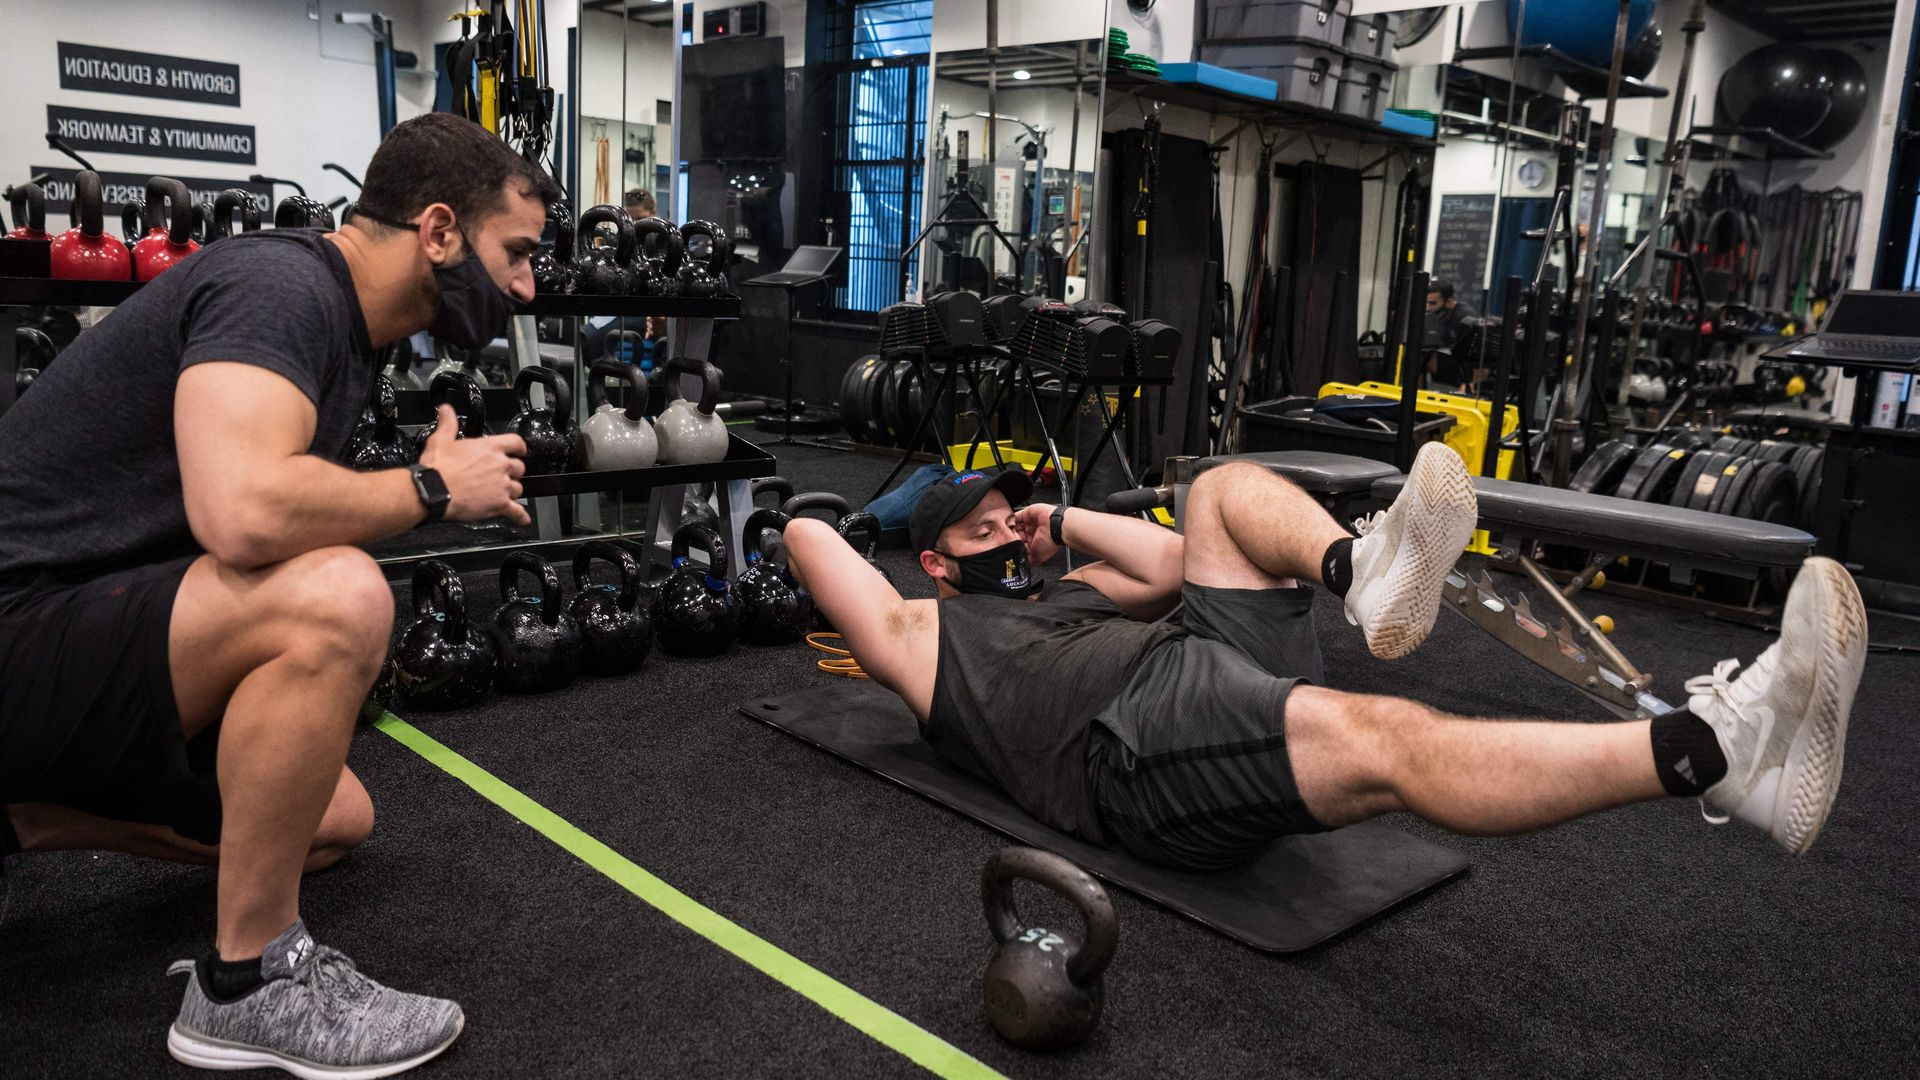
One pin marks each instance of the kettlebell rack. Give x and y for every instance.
(665, 485)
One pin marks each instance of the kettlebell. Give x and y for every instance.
(836, 508)
(618, 438)
(84, 252)
(34, 351)
(132, 226)
(691, 433)
(553, 267)
(781, 489)
(697, 505)
(603, 270)
(169, 237)
(861, 531)
(692, 611)
(1042, 989)
(29, 203)
(616, 632)
(220, 225)
(458, 389)
(442, 661)
(553, 442)
(538, 642)
(771, 608)
(376, 443)
(658, 250)
(300, 212)
(703, 270)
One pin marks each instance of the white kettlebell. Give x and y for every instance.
(618, 438)
(690, 433)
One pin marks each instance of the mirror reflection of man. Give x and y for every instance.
(1452, 313)
(640, 204)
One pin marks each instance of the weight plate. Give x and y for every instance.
(1770, 450)
(1733, 482)
(848, 399)
(870, 377)
(1683, 488)
(1659, 484)
(1602, 472)
(1770, 495)
(1708, 480)
(890, 389)
(1809, 475)
(1726, 444)
(1644, 460)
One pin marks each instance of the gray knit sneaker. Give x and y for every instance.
(1404, 552)
(316, 1017)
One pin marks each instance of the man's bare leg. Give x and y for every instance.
(282, 657)
(1249, 528)
(49, 827)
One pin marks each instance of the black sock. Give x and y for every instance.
(1336, 566)
(1686, 753)
(232, 980)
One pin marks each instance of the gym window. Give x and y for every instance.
(879, 141)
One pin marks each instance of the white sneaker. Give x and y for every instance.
(1783, 723)
(1404, 552)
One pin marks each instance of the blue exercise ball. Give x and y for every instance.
(1846, 86)
(1781, 86)
(1583, 29)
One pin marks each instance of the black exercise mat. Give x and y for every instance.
(1304, 891)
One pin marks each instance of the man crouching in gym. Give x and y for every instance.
(187, 625)
(1196, 743)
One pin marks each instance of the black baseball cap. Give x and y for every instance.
(954, 497)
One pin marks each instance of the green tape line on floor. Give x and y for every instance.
(918, 1045)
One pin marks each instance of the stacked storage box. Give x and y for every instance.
(1317, 54)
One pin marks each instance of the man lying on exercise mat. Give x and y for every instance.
(1196, 743)
(180, 574)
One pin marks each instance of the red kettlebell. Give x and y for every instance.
(29, 212)
(169, 238)
(85, 252)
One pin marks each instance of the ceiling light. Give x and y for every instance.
(1023, 75)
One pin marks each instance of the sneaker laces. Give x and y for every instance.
(1719, 686)
(333, 979)
(1364, 525)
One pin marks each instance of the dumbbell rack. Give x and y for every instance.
(691, 328)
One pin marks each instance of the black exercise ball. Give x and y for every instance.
(1643, 53)
(1846, 84)
(1779, 86)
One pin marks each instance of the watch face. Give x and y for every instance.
(1532, 173)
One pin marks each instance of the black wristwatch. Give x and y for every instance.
(1055, 522)
(432, 491)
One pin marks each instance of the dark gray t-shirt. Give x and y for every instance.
(1018, 686)
(89, 473)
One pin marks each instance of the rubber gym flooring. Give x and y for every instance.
(1642, 942)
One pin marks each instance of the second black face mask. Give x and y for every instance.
(473, 311)
(1001, 572)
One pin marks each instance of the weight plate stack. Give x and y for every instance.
(1733, 483)
(1771, 495)
(1808, 471)
(1706, 481)
(1690, 475)
(1776, 451)
(1726, 444)
(1644, 462)
(1601, 472)
(852, 397)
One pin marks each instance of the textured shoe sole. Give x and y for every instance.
(1437, 528)
(204, 1052)
(1812, 775)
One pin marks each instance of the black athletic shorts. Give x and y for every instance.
(87, 715)
(1189, 764)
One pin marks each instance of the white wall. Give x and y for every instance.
(962, 24)
(1164, 32)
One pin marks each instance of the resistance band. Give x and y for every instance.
(885, 1026)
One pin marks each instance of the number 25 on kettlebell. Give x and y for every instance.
(1042, 938)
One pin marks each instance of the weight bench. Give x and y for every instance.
(1520, 516)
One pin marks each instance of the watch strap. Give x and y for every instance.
(1056, 522)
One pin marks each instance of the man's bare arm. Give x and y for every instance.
(255, 496)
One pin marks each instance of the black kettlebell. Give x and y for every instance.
(455, 388)
(554, 270)
(703, 271)
(696, 505)
(861, 531)
(224, 204)
(35, 350)
(616, 632)
(658, 249)
(603, 270)
(553, 440)
(771, 608)
(376, 443)
(781, 489)
(836, 508)
(693, 612)
(442, 661)
(1042, 989)
(301, 212)
(538, 642)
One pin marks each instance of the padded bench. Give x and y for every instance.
(1324, 475)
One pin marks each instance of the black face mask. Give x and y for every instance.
(473, 311)
(1000, 572)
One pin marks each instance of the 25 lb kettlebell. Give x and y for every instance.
(657, 253)
(553, 442)
(616, 631)
(693, 613)
(1042, 989)
(29, 204)
(443, 661)
(603, 270)
(455, 388)
(771, 608)
(169, 238)
(691, 432)
(376, 443)
(618, 438)
(538, 642)
(85, 252)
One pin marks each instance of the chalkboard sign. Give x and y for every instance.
(1461, 242)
